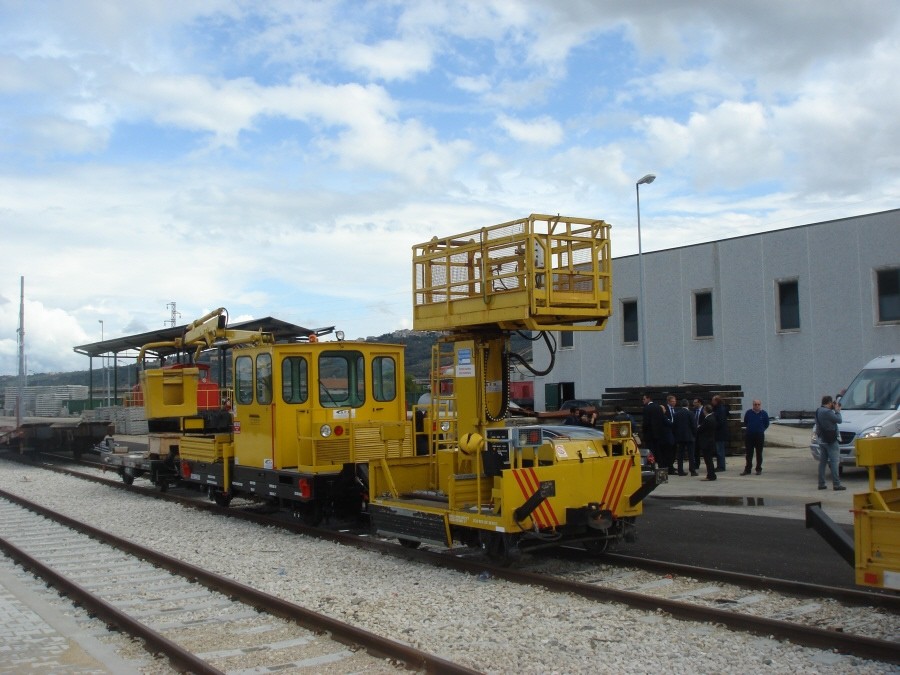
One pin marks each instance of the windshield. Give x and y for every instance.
(877, 389)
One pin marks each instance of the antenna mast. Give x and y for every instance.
(175, 315)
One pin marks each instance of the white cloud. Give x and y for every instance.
(544, 131)
(282, 158)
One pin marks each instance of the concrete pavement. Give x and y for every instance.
(788, 482)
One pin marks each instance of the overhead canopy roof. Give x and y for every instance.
(283, 332)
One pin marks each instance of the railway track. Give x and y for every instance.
(863, 623)
(200, 621)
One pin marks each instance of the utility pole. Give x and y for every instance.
(20, 399)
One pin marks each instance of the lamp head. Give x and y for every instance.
(646, 180)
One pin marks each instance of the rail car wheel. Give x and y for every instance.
(127, 477)
(409, 543)
(499, 548)
(596, 546)
(222, 499)
(309, 514)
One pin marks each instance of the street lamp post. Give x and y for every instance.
(642, 333)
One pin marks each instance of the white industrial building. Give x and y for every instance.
(787, 315)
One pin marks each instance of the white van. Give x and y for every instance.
(870, 407)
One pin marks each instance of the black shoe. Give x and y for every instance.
(823, 487)
(671, 472)
(839, 487)
(682, 473)
(718, 470)
(758, 471)
(745, 472)
(694, 473)
(709, 478)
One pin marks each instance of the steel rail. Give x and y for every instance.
(809, 636)
(177, 655)
(373, 643)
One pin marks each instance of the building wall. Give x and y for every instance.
(834, 263)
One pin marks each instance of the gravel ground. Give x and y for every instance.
(487, 624)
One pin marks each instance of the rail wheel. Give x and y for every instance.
(596, 546)
(499, 548)
(222, 499)
(127, 477)
(310, 513)
(409, 543)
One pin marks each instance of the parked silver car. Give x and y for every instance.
(550, 432)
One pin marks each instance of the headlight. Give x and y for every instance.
(623, 430)
(325, 431)
(445, 426)
(871, 432)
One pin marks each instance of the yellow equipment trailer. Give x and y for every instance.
(876, 516)
(481, 483)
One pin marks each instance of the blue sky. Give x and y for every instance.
(282, 158)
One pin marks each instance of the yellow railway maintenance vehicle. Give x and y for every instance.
(298, 428)
(874, 550)
(482, 483)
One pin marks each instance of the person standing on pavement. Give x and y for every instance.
(720, 410)
(706, 440)
(668, 434)
(828, 416)
(652, 428)
(684, 438)
(697, 412)
(756, 421)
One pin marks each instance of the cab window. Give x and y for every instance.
(243, 379)
(384, 378)
(294, 379)
(264, 379)
(342, 379)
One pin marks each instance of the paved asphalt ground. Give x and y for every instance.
(752, 524)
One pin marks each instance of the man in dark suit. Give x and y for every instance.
(653, 430)
(684, 438)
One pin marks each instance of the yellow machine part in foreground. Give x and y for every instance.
(876, 517)
(572, 475)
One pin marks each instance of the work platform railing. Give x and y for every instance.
(537, 273)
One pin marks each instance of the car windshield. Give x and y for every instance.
(876, 389)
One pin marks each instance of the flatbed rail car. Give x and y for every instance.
(480, 484)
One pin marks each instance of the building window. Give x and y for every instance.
(566, 339)
(888, 289)
(703, 314)
(788, 305)
(630, 321)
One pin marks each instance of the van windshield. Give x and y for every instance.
(877, 389)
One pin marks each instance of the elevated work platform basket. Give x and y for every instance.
(537, 273)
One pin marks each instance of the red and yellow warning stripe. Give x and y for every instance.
(528, 483)
(615, 486)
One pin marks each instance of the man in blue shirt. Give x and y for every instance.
(756, 421)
